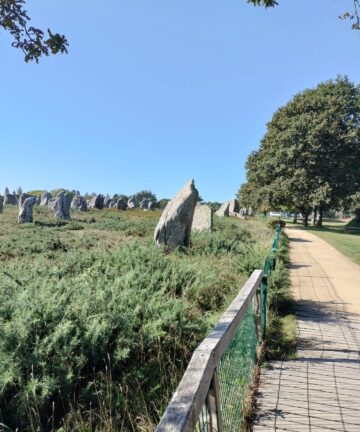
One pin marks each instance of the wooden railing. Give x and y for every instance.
(199, 387)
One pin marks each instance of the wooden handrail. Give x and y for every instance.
(185, 406)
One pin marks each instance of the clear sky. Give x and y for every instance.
(155, 92)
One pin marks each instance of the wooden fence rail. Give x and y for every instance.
(199, 386)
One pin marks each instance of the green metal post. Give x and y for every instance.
(269, 265)
(263, 292)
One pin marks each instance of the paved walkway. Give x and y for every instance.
(320, 390)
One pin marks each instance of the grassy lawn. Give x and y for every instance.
(334, 233)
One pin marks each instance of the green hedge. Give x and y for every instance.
(274, 222)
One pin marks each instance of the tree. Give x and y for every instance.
(145, 194)
(19, 190)
(352, 16)
(308, 158)
(163, 203)
(35, 43)
(116, 197)
(32, 41)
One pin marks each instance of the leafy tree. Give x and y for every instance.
(352, 16)
(214, 205)
(145, 194)
(32, 41)
(308, 159)
(118, 196)
(6, 191)
(37, 192)
(19, 190)
(163, 203)
(35, 43)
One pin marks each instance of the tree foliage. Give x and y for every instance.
(353, 16)
(32, 41)
(309, 156)
(145, 194)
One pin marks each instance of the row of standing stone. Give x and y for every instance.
(182, 215)
(232, 208)
(61, 204)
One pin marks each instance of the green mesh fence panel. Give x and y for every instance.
(203, 424)
(235, 373)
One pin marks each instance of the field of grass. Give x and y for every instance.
(97, 323)
(333, 232)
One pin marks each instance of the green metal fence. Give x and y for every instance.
(211, 396)
(269, 265)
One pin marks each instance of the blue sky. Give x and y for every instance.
(154, 92)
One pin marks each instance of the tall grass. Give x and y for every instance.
(281, 332)
(97, 323)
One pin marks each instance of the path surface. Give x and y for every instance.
(320, 389)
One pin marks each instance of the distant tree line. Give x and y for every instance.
(308, 160)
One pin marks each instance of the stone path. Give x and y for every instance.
(320, 389)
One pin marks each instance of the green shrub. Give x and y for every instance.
(281, 329)
(97, 323)
(60, 323)
(274, 222)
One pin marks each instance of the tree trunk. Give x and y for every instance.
(306, 219)
(320, 218)
(315, 211)
(295, 218)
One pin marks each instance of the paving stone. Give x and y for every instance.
(320, 389)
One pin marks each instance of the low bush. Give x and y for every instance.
(60, 323)
(274, 222)
(281, 329)
(97, 323)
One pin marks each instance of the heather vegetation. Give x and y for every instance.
(97, 323)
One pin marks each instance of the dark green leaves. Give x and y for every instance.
(32, 41)
(309, 156)
(266, 3)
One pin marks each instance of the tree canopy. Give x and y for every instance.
(32, 41)
(145, 194)
(36, 43)
(354, 16)
(309, 156)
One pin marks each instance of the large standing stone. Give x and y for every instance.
(96, 202)
(45, 199)
(23, 198)
(51, 203)
(132, 203)
(78, 203)
(203, 218)
(223, 211)
(234, 206)
(151, 205)
(121, 204)
(174, 226)
(1, 203)
(10, 199)
(144, 204)
(107, 202)
(26, 210)
(61, 206)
